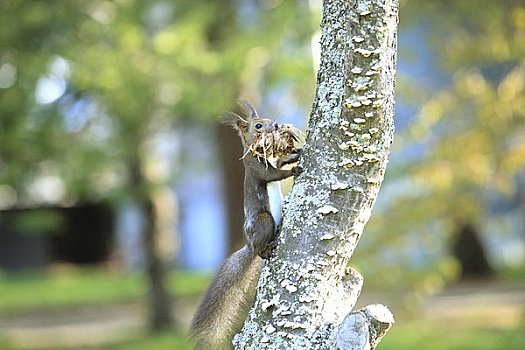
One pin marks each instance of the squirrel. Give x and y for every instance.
(226, 302)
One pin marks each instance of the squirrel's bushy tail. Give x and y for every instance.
(224, 306)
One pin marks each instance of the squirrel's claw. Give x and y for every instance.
(297, 170)
(265, 254)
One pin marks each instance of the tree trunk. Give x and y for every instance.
(218, 33)
(158, 298)
(306, 291)
(468, 249)
(233, 174)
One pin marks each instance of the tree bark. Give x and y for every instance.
(307, 291)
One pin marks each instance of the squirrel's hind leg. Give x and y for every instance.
(260, 231)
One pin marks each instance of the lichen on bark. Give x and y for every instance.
(306, 289)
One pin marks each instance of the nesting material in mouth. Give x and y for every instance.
(271, 145)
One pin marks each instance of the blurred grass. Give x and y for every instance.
(60, 288)
(165, 340)
(437, 336)
(516, 273)
(73, 287)
(409, 336)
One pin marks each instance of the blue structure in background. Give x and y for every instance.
(202, 222)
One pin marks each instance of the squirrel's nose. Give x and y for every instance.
(275, 126)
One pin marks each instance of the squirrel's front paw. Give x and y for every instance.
(297, 170)
(265, 254)
(293, 157)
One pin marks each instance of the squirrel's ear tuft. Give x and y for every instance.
(233, 120)
(248, 109)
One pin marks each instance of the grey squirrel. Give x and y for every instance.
(225, 304)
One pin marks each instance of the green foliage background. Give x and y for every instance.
(133, 69)
(468, 133)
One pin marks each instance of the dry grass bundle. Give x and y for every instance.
(274, 144)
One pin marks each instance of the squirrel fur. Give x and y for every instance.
(225, 304)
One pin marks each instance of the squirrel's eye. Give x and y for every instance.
(258, 126)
